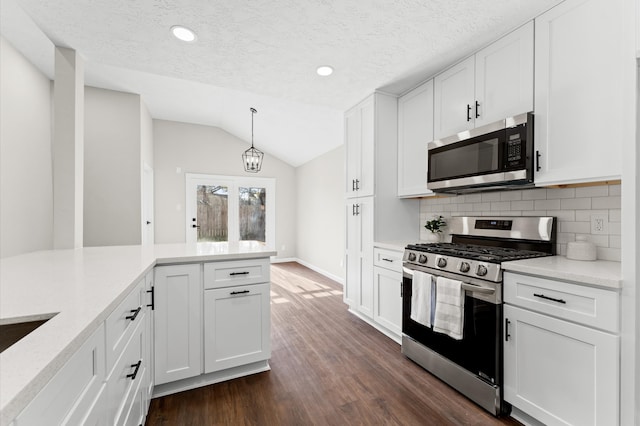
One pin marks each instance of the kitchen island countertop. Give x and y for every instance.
(77, 289)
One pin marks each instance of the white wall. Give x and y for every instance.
(112, 168)
(321, 214)
(26, 184)
(181, 148)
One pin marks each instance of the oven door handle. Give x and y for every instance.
(477, 289)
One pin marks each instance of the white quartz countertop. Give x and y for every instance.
(599, 273)
(80, 287)
(396, 245)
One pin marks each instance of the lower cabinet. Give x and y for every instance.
(387, 290)
(178, 322)
(236, 326)
(555, 370)
(76, 394)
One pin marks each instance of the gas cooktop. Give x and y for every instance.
(476, 252)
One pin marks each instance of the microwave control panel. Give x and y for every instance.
(515, 148)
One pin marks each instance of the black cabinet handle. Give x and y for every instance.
(353, 184)
(506, 329)
(477, 109)
(387, 260)
(542, 296)
(239, 273)
(357, 185)
(537, 161)
(357, 209)
(240, 292)
(353, 210)
(153, 298)
(401, 295)
(195, 226)
(468, 112)
(133, 375)
(135, 313)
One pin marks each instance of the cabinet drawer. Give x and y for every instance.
(585, 305)
(71, 393)
(124, 381)
(237, 272)
(389, 259)
(121, 323)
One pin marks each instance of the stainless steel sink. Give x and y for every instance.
(11, 333)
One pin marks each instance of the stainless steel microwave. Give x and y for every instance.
(491, 157)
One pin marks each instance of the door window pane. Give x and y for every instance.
(252, 213)
(212, 213)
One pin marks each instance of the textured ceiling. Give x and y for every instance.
(262, 54)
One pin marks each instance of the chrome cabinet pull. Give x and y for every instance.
(542, 296)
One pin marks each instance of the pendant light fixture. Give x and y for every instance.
(252, 158)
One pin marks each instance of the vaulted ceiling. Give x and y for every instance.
(261, 54)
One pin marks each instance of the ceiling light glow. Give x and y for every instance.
(324, 70)
(183, 33)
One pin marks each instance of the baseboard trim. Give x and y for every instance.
(391, 335)
(335, 278)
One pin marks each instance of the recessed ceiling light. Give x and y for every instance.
(324, 70)
(183, 33)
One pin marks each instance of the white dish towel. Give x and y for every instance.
(421, 298)
(449, 315)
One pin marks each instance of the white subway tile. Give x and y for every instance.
(501, 205)
(481, 207)
(607, 253)
(511, 196)
(450, 207)
(615, 228)
(546, 205)
(490, 196)
(576, 204)
(615, 215)
(473, 198)
(592, 191)
(615, 241)
(553, 193)
(522, 205)
(561, 249)
(606, 202)
(585, 215)
(575, 227)
(535, 213)
(534, 194)
(563, 215)
(564, 237)
(599, 240)
(615, 190)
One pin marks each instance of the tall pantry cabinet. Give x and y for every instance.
(373, 210)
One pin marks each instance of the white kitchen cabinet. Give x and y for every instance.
(178, 322)
(77, 391)
(557, 369)
(387, 291)
(359, 137)
(380, 217)
(359, 254)
(236, 326)
(148, 298)
(415, 131)
(495, 83)
(580, 89)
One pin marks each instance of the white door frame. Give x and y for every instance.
(192, 180)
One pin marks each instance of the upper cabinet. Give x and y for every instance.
(495, 83)
(415, 131)
(359, 137)
(580, 85)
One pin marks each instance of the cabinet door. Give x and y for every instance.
(236, 326)
(558, 372)
(353, 136)
(504, 77)
(580, 84)
(359, 139)
(454, 109)
(388, 299)
(359, 285)
(415, 131)
(148, 298)
(178, 322)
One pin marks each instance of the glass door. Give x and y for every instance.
(230, 209)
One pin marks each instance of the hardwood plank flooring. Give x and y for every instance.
(327, 368)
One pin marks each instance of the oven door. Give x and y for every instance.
(480, 350)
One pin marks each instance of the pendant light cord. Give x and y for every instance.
(253, 111)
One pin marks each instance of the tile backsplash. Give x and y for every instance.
(573, 207)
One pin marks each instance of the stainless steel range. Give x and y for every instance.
(452, 319)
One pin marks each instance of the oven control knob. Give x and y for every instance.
(422, 259)
(442, 262)
(481, 271)
(464, 267)
(412, 257)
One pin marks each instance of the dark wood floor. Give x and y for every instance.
(327, 368)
